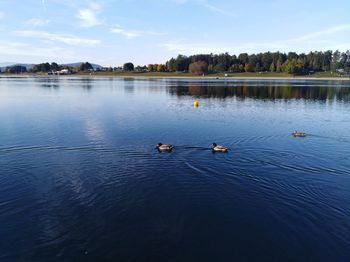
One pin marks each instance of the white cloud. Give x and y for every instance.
(36, 22)
(66, 39)
(133, 33)
(88, 16)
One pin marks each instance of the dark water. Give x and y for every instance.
(80, 179)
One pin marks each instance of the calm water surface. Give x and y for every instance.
(80, 179)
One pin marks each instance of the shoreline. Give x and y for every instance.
(304, 78)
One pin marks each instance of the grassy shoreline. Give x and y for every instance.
(179, 75)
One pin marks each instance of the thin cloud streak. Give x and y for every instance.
(66, 39)
(216, 9)
(43, 4)
(26, 50)
(325, 32)
(199, 48)
(179, 1)
(206, 5)
(307, 40)
(133, 33)
(36, 22)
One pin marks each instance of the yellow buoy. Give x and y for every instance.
(195, 103)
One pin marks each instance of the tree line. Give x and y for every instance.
(47, 68)
(83, 67)
(291, 63)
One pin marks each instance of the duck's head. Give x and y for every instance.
(214, 145)
(159, 144)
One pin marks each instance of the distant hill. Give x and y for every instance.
(95, 66)
(6, 64)
(29, 66)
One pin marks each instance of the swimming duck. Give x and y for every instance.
(218, 148)
(298, 134)
(164, 147)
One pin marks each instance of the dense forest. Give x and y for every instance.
(291, 63)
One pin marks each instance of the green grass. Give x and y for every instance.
(328, 74)
(180, 74)
(233, 75)
(220, 75)
(140, 74)
(262, 74)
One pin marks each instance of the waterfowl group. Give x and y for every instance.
(167, 148)
(298, 134)
(214, 147)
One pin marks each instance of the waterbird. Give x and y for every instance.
(218, 148)
(298, 134)
(164, 147)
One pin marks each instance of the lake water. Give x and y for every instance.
(81, 180)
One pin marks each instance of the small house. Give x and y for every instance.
(63, 72)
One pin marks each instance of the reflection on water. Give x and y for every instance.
(263, 91)
(48, 83)
(87, 84)
(81, 180)
(129, 85)
(256, 89)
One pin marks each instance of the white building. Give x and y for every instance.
(63, 72)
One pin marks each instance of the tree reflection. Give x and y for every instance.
(264, 90)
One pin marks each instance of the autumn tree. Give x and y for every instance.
(155, 68)
(160, 68)
(198, 68)
(248, 68)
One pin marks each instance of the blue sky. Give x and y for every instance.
(111, 32)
